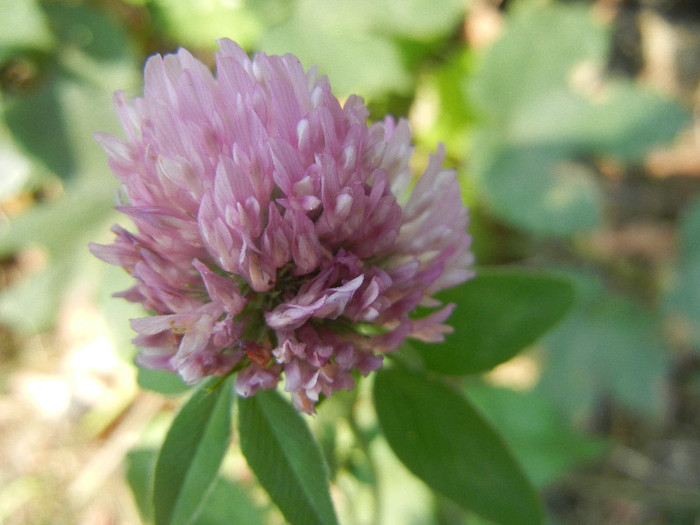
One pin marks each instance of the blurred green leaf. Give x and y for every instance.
(338, 37)
(191, 455)
(441, 111)
(37, 122)
(161, 381)
(30, 305)
(93, 32)
(498, 314)
(682, 301)
(682, 297)
(414, 19)
(622, 120)
(285, 458)
(403, 498)
(200, 24)
(534, 58)
(226, 502)
(608, 345)
(689, 228)
(437, 434)
(536, 188)
(24, 25)
(17, 168)
(53, 124)
(140, 464)
(541, 439)
(55, 121)
(543, 108)
(61, 229)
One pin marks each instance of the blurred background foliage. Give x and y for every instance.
(571, 126)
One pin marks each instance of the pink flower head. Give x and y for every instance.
(276, 233)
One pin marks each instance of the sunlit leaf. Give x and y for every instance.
(61, 225)
(16, 167)
(200, 24)
(55, 120)
(191, 455)
(52, 125)
(534, 57)
(337, 36)
(442, 113)
(498, 314)
(417, 19)
(286, 459)
(437, 434)
(544, 108)
(24, 25)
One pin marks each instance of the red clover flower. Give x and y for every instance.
(277, 234)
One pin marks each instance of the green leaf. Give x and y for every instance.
(191, 455)
(64, 225)
(537, 188)
(681, 299)
(543, 441)
(623, 121)
(61, 229)
(286, 458)
(339, 37)
(79, 26)
(17, 168)
(198, 24)
(24, 25)
(226, 502)
(55, 121)
(416, 19)
(534, 57)
(38, 124)
(444, 441)
(30, 305)
(140, 464)
(53, 125)
(498, 314)
(161, 381)
(607, 346)
(449, 114)
(629, 119)
(690, 226)
(540, 118)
